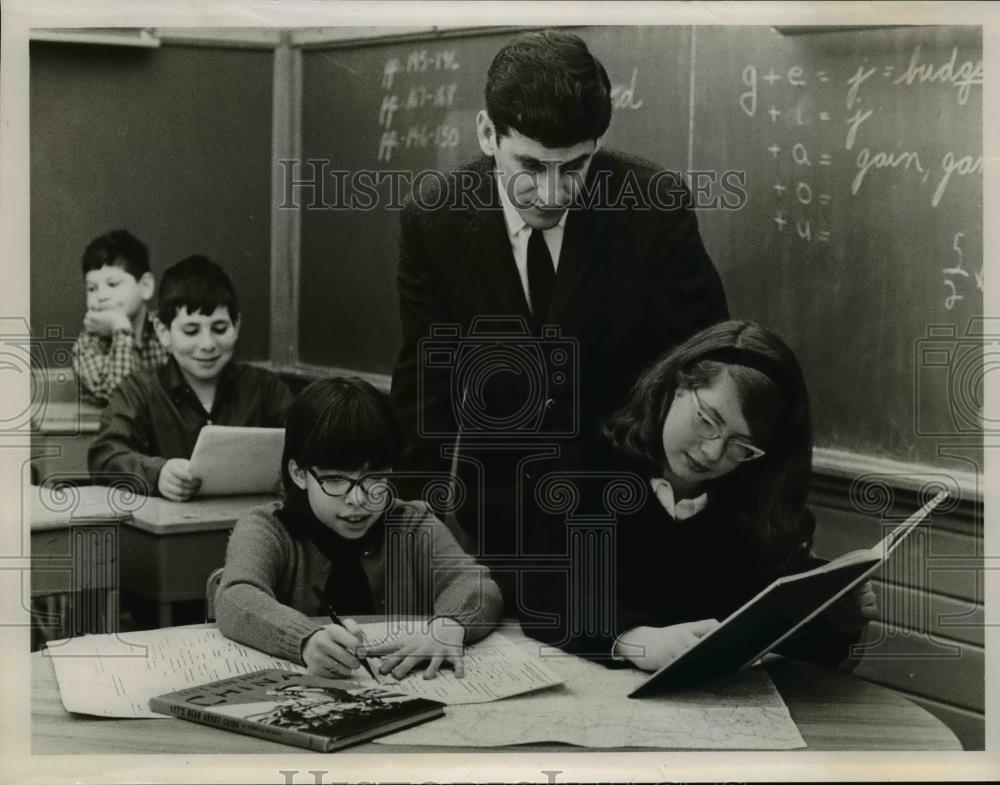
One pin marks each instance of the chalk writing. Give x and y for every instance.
(958, 270)
(775, 114)
(800, 155)
(963, 166)
(427, 136)
(421, 60)
(623, 96)
(855, 83)
(964, 77)
(748, 100)
(867, 161)
(441, 96)
(853, 122)
(389, 71)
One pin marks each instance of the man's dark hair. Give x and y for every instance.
(119, 248)
(199, 285)
(549, 87)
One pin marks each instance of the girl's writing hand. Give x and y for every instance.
(650, 648)
(330, 650)
(175, 481)
(438, 641)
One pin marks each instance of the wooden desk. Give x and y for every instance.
(833, 711)
(74, 559)
(169, 548)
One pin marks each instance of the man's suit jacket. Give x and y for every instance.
(631, 284)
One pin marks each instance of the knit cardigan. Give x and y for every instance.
(265, 598)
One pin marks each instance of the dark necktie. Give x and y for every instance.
(541, 275)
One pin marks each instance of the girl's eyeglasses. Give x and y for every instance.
(374, 487)
(737, 448)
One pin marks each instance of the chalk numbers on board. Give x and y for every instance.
(413, 87)
(957, 279)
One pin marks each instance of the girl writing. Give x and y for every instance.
(339, 528)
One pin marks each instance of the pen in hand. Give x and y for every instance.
(336, 620)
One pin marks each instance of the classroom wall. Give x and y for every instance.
(173, 144)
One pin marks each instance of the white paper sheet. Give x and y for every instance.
(738, 711)
(116, 675)
(230, 459)
(495, 668)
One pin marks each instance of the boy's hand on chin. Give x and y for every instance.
(106, 322)
(438, 641)
(175, 482)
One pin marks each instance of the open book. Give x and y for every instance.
(778, 612)
(230, 459)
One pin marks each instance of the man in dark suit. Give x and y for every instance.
(535, 284)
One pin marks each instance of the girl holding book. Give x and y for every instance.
(703, 475)
(340, 529)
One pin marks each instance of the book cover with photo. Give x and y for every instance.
(298, 708)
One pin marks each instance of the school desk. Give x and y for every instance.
(833, 711)
(169, 548)
(74, 558)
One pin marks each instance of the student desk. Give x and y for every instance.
(833, 711)
(74, 554)
(169, 548)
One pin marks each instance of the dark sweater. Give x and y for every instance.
(611, 571)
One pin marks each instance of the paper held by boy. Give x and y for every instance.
(548, 696)
(232, 459)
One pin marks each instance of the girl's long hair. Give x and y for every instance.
(765, 497)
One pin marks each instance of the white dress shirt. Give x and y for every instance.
(518, 232)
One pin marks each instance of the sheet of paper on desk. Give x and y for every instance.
(495, 668)
(739, 711)
(116, 675)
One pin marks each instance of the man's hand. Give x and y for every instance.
(106, 322)
(439, 641)
(175, 481)
(330, 650)
(650, 648)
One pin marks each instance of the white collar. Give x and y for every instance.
(515, 223)
(678, 510)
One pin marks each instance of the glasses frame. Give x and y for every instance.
(702, 418)
(358, 483)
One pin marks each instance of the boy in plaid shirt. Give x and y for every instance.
(118, 332)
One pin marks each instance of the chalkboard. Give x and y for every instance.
(861, 236)
(859, 240)
(409, 107)
(173, 144)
